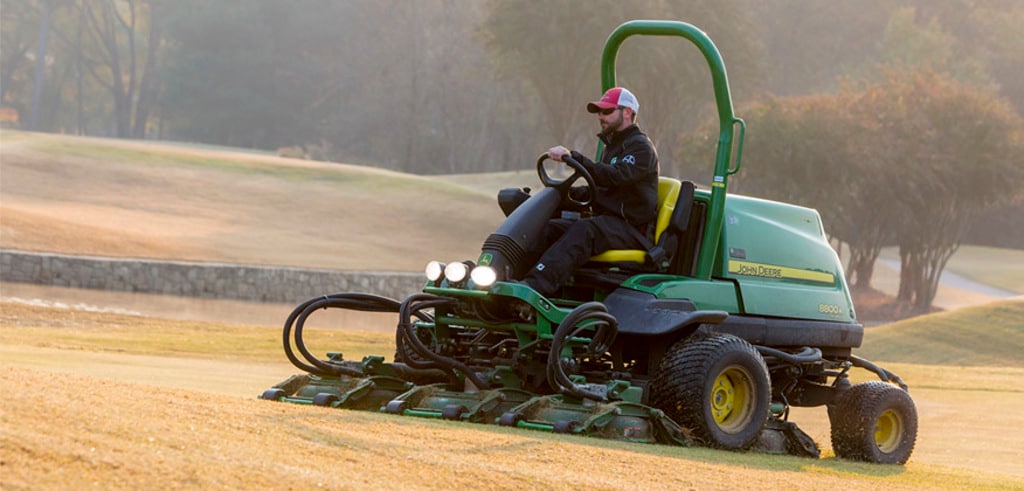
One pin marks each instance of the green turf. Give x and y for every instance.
(160, 155)
(1001, 268)
(986, 335)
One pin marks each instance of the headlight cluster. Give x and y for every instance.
(456, 273)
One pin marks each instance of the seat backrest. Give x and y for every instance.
(668, 196)
(666, 251)
(681, 214)
(684, 262)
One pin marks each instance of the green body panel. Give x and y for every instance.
(781, 260)
(705, 294)
(773, 259)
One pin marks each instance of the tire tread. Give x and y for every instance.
(853, 418)
(682, 378)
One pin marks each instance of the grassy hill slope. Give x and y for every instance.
(139, 199)
(985, 335)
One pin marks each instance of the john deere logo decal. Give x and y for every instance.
(486, 258)
(781, 272)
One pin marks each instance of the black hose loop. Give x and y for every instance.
(324, 366)
(293, 327)
(588, 316)
(414, 306)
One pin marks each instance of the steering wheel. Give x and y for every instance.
(563, 186)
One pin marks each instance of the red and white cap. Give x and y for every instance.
(615, 97)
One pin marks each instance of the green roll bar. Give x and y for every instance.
(727, 120)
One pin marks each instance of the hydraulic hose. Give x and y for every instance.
(883, 374)
(806, 354)
(412, 305)
(352, 301)
(588, 316)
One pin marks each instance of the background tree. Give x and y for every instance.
(236, 74)
(909, 161)
(432, 103)
(957, 150)
(560, 60)
(983, 30)
(124, 58)
(19, 22)
(809, 46)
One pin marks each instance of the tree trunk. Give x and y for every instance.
(861, 267)
(37, 84)
(908, 275)
(79, 76)
(147, 89)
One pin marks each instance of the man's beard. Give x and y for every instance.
(612, 126)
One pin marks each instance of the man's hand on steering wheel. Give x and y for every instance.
(557, 153)
(580, 171)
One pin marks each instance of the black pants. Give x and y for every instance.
(573, 243)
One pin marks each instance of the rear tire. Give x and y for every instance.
(717, 386)
(874, 422)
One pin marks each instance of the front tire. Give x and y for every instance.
(717, 386)
(874, 422)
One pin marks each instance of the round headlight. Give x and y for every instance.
(483, 276)
(456, 272)
(434, 270)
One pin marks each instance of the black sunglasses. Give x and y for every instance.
(605, 112)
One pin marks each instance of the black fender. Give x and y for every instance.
(642, 314)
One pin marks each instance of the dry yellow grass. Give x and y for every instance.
(69, 431)
(132, 402)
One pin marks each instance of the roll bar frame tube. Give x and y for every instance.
(726, 118)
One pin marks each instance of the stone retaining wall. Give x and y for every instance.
(193, 279)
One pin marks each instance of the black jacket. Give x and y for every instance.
(626, 177)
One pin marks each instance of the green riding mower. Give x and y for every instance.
(738, 312)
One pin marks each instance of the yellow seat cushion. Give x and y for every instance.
(668, 195)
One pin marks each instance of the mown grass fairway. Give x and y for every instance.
(143, 401)
(131, 435)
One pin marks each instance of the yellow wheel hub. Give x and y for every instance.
(888, 429)
(732, 399)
